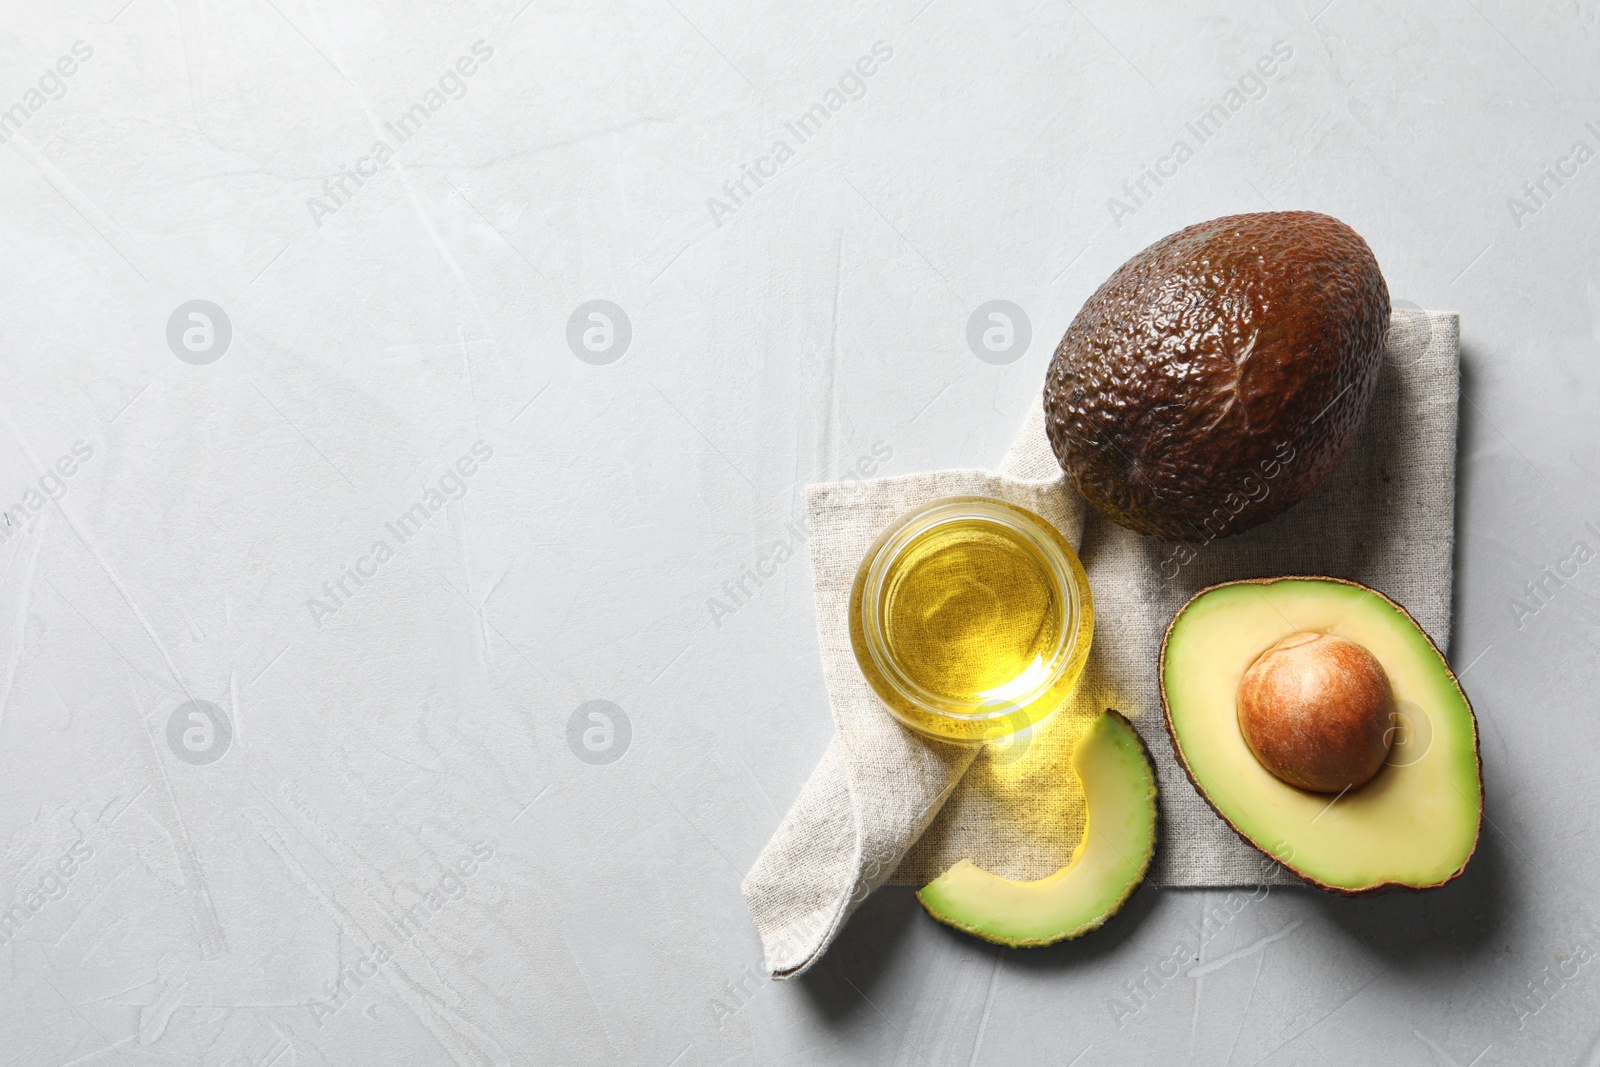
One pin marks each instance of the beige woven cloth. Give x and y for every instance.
(886, 805)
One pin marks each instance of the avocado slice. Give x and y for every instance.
(1119, 786)
(1414, 824)
(1220, 374)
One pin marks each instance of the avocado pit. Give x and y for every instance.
(1316, 711)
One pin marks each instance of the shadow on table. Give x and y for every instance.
(1405, 929)
(1416, 931)
(841, 985)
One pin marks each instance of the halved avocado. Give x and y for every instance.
(1414, 824)
(1119, 786)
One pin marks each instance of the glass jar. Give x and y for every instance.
(971, 618)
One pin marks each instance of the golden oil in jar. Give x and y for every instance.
(971, 618)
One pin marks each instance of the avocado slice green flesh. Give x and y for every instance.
(1415, 824)
(1119, 786)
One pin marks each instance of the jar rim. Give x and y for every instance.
(1066, 575)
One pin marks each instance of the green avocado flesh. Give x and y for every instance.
(1109, 863)
(1414, 824)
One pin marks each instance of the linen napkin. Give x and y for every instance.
(885, 804)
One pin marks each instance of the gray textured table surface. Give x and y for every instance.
(309, 590)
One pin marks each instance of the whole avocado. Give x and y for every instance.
(1220, 374)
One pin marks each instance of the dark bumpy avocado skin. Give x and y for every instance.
(1219, 375)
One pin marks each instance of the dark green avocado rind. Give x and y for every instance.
(1219, 376)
